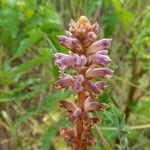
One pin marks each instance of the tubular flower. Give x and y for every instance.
(99, 59)
(78, 83)
(87, 57)
(64, 61)
(91, 105)
(95, 88)
(99, 72)
(99, 45)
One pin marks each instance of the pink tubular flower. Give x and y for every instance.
(70, 43)
(80, 61)
(99, 59)
(71, 108)
(99, 72)
(91, 37)
(102, 52)
(99, 45)
(78, 83)
(64, 82)
(95, 88)
(63, 61)
(92, 105)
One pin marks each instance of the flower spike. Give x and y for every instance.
(85, 56)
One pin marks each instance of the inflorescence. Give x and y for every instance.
(89, 58)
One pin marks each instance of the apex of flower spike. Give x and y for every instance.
(84, 21)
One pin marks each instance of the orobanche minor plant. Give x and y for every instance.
(89, 58)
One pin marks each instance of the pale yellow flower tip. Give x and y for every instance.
(84, 21)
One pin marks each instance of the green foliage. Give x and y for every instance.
(50, 133)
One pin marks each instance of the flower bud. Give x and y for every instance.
(90, 38)
(84, 21)
(95, 88)
(102, 52)
(69, 34)
(95, 28)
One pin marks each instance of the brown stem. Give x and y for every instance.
(79, 124)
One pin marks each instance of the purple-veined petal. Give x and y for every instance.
(99, 45)
(70, 43)
(102, 52)
(72, 26)
(75, 115)
(65, 81)
(63, 61)
(88, 122)
(101, 85)
(95, 28)
(99, 72)
(91, 105)
(98, 59)
(81, 61)
(90, 38)
(69, 34)
(78, 83)
(95, 88)
(70, 106)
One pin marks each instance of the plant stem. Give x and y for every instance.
(79, 124)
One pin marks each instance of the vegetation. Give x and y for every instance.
(29, 112)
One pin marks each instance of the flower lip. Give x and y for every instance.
(65, 81)
(91, 105)
(63, 61)
(78, 83)
(99, 45)
(70, 106)
(99, 72)
(70, 43)
(99, 59)
(102, 52)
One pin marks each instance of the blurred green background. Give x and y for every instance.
(29, 114)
